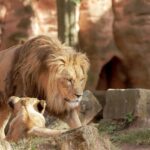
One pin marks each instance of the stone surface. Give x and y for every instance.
(121, 102)
(96, 37)
(101, 97)
(89, 107)
(84, 138)
(113, 33)
(131, 33)
(20, 20)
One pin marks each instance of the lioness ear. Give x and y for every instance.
(12, 100)
(23, 102)
(41, 106)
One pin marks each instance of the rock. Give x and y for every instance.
(84, 138)
(131, 33)
(121, 102)
(101, 97)
(89, 107)
(96, 36)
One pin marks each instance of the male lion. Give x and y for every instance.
(28, 119)
(44, 68)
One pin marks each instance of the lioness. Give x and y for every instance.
(44, 68)
(28, 119)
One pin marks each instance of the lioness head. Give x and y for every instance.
(27, 113)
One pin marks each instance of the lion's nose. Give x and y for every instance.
(78, 95)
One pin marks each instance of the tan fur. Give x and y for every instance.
(46, 69)
(28, 119)
(26, 115)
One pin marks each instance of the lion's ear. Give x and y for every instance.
(41, 106)
(12, 100)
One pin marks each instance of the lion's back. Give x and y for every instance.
(6, 63)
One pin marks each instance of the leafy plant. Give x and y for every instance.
(140, 136)
(107, 126)
(129, 118)
(76, 1)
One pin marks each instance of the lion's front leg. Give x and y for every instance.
(72, 119)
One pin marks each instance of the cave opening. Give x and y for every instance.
(113, 75)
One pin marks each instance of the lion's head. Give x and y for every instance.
(50, 70)
(68, 80)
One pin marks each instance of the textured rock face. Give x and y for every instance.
(131, 32)
(89, 107)
(84, 138)
(114, 34)
(123, 24)
(96, 36)
(21, 19)
(121, 102)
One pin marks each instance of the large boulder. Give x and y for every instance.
(89, 107)
(121, 102)
(131, 33)
(84, 138)
(96, 36)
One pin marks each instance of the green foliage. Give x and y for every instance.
(140, 136)
(30, 143)
(107, 126)
(129, 118)
(76, 1)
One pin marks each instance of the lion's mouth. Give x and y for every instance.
(72, 103)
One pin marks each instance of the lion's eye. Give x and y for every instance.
(69, 81)
(82, 79)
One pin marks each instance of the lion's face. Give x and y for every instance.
(71, 83)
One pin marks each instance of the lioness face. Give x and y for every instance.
(16, 103)
(71, 85)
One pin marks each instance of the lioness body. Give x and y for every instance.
(28, 119)
(46, 69)
(27, 113)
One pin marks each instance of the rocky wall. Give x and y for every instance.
(113, 33)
